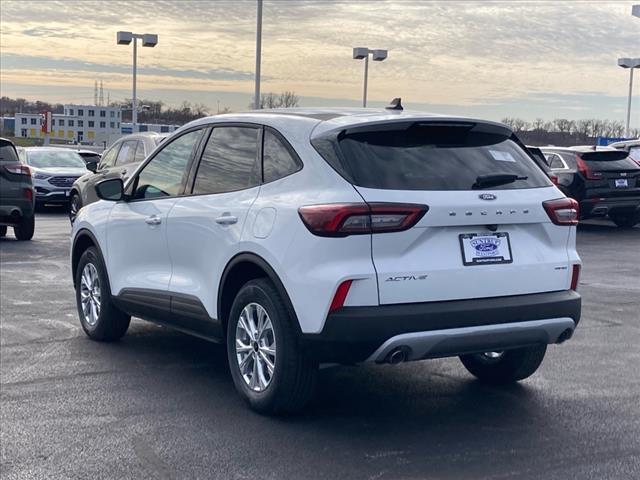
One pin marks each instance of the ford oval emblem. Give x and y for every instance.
(487, 196)
(485, 246)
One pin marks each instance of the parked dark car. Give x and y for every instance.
(119, 160)
(604, 180)
(16, 193)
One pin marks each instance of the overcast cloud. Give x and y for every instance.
(524, 58)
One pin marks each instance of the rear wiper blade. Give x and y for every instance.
(485, 181)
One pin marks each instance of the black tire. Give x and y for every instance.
(75, 204)
(294, 376)
(24, 230)
(111, 323)
(3, 230)
(511, 366)
(625, 220)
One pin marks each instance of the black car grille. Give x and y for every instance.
(62, 181)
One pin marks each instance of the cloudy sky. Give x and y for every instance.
(490, 58)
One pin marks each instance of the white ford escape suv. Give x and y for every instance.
(300, 237)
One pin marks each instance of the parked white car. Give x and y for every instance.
(299, 237)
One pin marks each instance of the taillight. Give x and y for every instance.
(340, 296)
(343, 219)
(562, 211)
(584, 169)
(575, 277)
(18, 169)
(28, 194)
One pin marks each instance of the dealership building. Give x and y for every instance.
(78, 124)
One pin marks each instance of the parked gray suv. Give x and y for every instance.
(118, 161)
(16, 193)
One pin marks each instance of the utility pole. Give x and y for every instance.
(256, 95)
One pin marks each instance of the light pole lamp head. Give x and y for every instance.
(149, 40)
(629, 62)
(360, 52)
(124, 38)
(379, 55)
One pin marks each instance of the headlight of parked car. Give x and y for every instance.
(40, 176)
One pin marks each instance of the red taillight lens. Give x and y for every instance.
(28, 194)
(584, 169)
(554, 179)
(18, 169)
(343, 219)
(575, 277)
(562, 211)
(340, 296)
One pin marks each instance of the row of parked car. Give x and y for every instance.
(604, 180)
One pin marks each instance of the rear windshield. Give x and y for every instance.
(429, 157)
(611, 160)
(7, 153)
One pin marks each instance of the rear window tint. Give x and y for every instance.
(7, 153)
(429, 158)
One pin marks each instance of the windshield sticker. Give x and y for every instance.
(502, 156)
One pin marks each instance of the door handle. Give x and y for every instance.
(153, 220)
(227, 220)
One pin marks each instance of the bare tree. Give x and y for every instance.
(283, 100)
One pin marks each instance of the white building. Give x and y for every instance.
(79, 124)
(149, 127)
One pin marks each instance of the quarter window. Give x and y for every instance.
(139, 152)
(277, 161)
(229, 161)
(163, 176)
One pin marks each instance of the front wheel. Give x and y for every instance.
(268, 368)
(75, 204)
(504, 367)
(100, 318)
(625, 220)
(24, 230)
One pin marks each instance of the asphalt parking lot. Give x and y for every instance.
(160, 404)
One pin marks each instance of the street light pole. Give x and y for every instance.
(360, 53)
(148, 40)
(256, 94)
(134, 106)
(631, 64)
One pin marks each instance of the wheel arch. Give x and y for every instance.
(242, 268)
(83, 240)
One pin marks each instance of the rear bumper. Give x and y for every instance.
(356, 334)
(14, 211)
(599, 207)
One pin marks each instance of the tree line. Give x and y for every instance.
(564, 132)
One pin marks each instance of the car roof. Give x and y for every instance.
(626, 143)
(322, 120)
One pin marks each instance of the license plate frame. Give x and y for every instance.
(485, 249)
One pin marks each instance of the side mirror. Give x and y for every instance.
(92, 166)
(111, 190)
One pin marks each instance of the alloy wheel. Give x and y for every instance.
(255, 347)
(90, 295)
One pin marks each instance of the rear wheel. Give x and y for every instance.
(100, 318)
(625, 220)
(24, 230)
(268, 368)
(3, 230)
(75, 204)
(505, 367)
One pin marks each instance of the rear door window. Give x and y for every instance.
(432, 157)
(127, 152)
(140, 153)
(229, 161)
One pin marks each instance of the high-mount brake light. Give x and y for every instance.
(343, 219)
(584, 169)
(563, 211)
